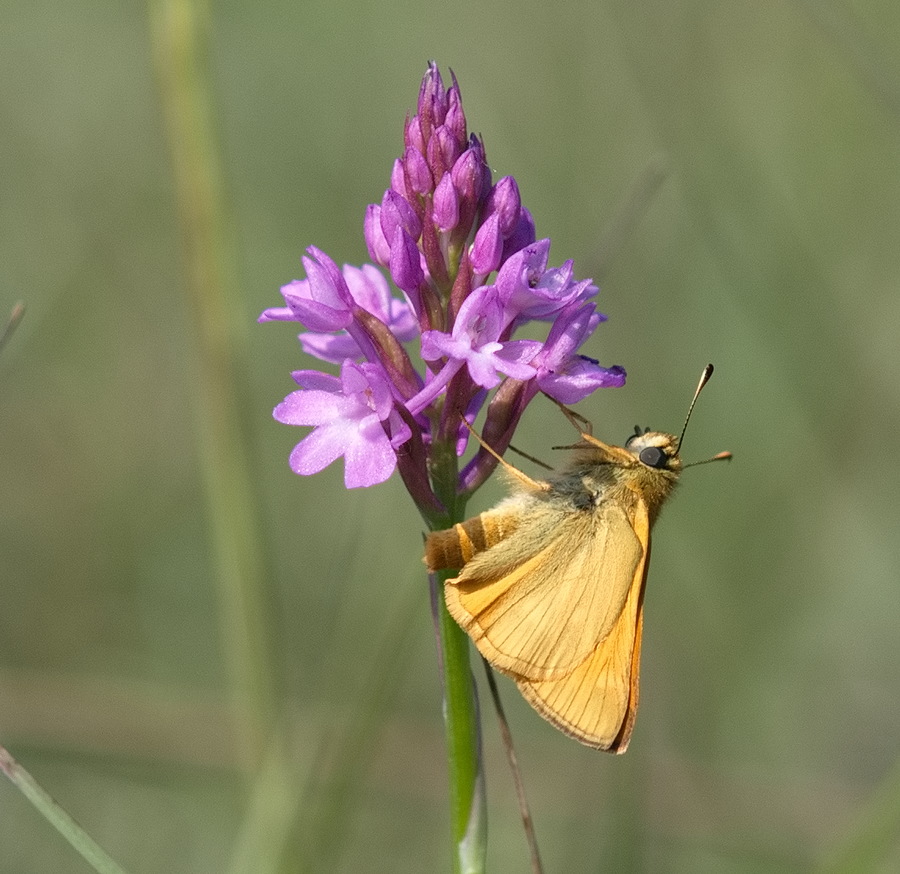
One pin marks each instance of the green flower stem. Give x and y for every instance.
(89, 849)
(177, 34)
(468, 809)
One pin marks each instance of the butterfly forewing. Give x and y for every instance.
(597, 702)
(539, 615)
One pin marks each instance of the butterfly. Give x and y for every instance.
(551, 580)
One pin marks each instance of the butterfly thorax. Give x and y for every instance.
(645, 469)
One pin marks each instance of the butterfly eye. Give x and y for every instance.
(653, 456)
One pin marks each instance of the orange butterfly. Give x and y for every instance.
(551, 587)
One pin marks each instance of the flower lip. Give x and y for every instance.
(322, 301)
(353, 416)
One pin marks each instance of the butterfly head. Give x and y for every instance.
(655, 450)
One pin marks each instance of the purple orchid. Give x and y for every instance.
(354, 416)
(371, 292)
(322, 301)
(565, 375)
(474, 343)
(470, 274)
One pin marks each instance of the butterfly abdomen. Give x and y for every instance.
(456, 546)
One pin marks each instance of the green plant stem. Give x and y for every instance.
(178, 39)
(468, 809)
(89, 849)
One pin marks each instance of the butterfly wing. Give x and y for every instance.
(538, 603)
(597, 702)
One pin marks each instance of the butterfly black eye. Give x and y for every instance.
(653, 456)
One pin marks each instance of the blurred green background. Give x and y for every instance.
(729, 172)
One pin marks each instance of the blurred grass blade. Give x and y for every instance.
(344, 754)
(90, 850)
(875, 834)
(274, 801)
(637, 200)
(178, 29)
(865, 55)
(12, 323)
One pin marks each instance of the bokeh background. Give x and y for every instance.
(729, 172)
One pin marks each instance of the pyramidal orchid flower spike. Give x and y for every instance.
(418, 364)
(468, 275)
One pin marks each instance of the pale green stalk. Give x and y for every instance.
(89, 849)
(468, 810)
(178, 29)
(468, 807)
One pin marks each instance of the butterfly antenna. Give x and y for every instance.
(721, 456)
(581, 425)
(522, 477)
(704, 378)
